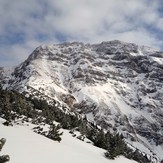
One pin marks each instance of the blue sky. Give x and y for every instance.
(24, 25)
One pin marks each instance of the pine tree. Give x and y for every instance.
(100, 140)
(83, 127)
(91, 134)
(54, 133)
(3, 158)
(65, 122)
(116, 146)
(0, 87)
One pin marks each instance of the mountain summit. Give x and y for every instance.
(117, 85)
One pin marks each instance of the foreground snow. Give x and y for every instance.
(25, 146)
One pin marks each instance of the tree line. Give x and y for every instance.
(14, 105)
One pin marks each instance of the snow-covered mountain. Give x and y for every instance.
(117, 85)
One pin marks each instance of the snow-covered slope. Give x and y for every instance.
(25, 146)
(117, 85)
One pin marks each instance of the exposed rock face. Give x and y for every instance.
(117, 85)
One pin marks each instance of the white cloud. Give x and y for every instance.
(91, 21)
(160, 24)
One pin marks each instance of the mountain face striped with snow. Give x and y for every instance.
(117, 85)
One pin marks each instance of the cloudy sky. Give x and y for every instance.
(26, 24)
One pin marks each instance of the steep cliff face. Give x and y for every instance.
(117, 85)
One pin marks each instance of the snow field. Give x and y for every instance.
(25, 146)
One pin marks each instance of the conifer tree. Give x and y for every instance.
(54, 133)
(100, 140)
(3, 158)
